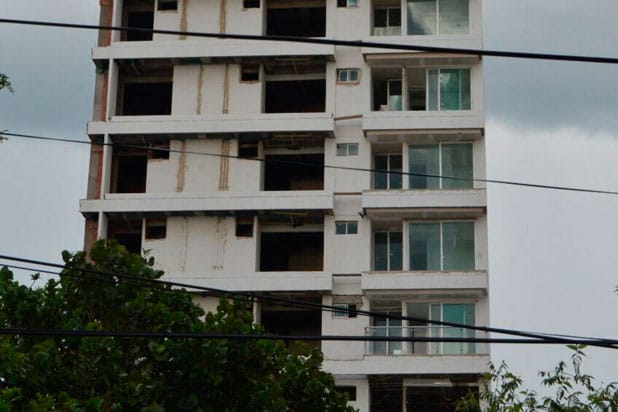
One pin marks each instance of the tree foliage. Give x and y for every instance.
(5, 83)
(139, 374)
(571, 391)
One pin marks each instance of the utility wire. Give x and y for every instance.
(312, 164)
(236, 336)
(313, 40)
(600, 342)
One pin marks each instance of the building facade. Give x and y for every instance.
(313, 172)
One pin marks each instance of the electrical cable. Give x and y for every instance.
(236, 336)
(310, 164)
(313, 40)
(600, 342)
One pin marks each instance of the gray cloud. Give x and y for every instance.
(539, 94)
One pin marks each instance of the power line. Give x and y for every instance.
(313, 40)
(600, 342)
(312, 164)
(236, 336)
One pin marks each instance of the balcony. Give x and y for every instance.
(208, 202)
(391, 348)
(454, 283)
(216, 124)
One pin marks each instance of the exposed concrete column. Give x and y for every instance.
(106, 167)
(102, 226)
(184, 25)
(222, 16)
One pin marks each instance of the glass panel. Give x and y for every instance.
(436, 314)
(353, 149)
(343, 75)
(380, 325)
(395, 98)
(453, 313)
(417, 89)
(394, 18)
(396, 250)
(395, 166)
(457, 162)
(465, 89)
(455, 89)
(424, 246)
(432, 89)
(352, 3)
(341, 149)
(458, 245)
(380, 251)
(353, 76)
(422, 17)
(453, 16)
(380, 177)
(394, 330)
(340, 228)
(352, 228)
(379, 17)
(450, 88)
(424, 160)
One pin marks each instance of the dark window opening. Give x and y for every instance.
(146, 99)
(156, 228)
(288, 251)
(350, 390)
(386, 397)
(249, 73)
(244, 226)
(251, 4)
(165, 5)
(438, 399)
(295, 96)
(294, 172)
(159, 151)
(139, 14)
(127, 233)
(129, 172)
(293, 323)
(295, 21)
(342, 3)
(248, 150)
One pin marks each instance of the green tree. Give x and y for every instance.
(571, 391)
(128, 374)
(5, 83)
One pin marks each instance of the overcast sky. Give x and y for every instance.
(553, 259)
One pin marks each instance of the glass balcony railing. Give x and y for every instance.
(420, 348)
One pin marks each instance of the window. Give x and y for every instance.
(347, 149)
(347, 3)
(444, 159)
(248, 150)
(441, 246)
(249, 72)
(387, 173)
(438, 89)
(460, 313)
(159, 151)
(388, 250)
(165, 5)
(426, 17)
(244, 226)
(383, 326)
(156, 228)
(346, 228)
(342, 310)
(350, 390)
(251, 4)
(387, 21)
(348, 75)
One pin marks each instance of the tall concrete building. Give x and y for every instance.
(309, 172)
